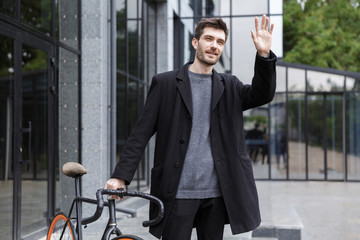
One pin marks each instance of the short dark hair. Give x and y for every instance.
(217, 23)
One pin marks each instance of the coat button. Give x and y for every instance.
(176, 165)
(169, 190)
(182, 140)
(188, 116)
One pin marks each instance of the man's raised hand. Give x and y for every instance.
(263, 36)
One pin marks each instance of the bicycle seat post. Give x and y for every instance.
(78, 207)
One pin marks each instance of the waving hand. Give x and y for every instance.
(263, 36)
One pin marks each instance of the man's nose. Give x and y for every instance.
(214, 44)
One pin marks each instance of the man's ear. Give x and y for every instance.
(194, 43)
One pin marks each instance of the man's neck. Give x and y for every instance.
(201, 68)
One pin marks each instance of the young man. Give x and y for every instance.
(201, 169)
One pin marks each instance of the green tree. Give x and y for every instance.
(324, 33)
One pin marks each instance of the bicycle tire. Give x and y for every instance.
(127, 237)
(57, 226)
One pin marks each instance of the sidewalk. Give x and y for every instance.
(320, 210)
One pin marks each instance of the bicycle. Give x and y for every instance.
(62, 227)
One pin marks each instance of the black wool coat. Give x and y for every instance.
(168, 113)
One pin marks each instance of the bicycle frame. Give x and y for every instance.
(76, 170)
(111, 227)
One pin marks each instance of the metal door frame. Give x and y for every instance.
(20, 38)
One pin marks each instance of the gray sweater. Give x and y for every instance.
(199, 179)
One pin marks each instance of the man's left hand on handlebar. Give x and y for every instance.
(115, 184)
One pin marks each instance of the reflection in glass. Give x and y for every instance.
(324, 82)
(37, 14)
(222, 9)
(34, 173)
(280, 79)
(6, 129)
(257, 7)
(132, 9)
(8, 7)
(67, 24)
(224, 63)
(296, 136)
(257, 140)
(353, 135)
(334, 128)
(315, 132)
(352, 84)
(121, 126)
(121, 47)
(243, 50)
(278, 137)
(296, 80)
(133, 47)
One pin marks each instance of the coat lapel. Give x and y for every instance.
(217, 89)
(184, 87)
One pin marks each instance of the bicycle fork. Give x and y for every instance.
(111, 227)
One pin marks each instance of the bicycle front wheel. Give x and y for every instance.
(61, 228)
(127, 237)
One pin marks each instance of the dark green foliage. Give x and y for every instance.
(325, 33)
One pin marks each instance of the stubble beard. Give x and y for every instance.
(200, 55)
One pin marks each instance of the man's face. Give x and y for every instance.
(210, 45)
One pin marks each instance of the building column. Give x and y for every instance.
(95, 98)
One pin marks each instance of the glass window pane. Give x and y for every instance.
(222, 8)
(133, 47)
(353, 136)
(243, 52)
(37, 14)
(296, 80)
(132, 9)
(256, 7)
(256, 139)
(280, 79)
(224, 65)
(67, 26)
(190, 8)
(68, 122)
(353, 84)
(34, 106)
(334, 127)
(121, 48)
(324, 82)
(278, 138)
(277, 36)
(315, 131)
(296, 135)
(121, 115)
(276, 6)
(6, 130)
(188, 25)
(8, 7)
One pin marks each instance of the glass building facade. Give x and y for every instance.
(74, 77)
(39, 99)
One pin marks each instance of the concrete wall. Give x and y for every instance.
(95, 97)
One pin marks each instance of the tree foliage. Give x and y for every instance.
(323, 33)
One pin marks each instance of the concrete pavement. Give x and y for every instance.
(315, 210)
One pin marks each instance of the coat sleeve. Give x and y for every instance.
(143, 130)
(262, 88)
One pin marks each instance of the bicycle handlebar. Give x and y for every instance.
(121, 194)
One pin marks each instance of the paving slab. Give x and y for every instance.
(319, 210)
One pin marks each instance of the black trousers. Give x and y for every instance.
(207, 215)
